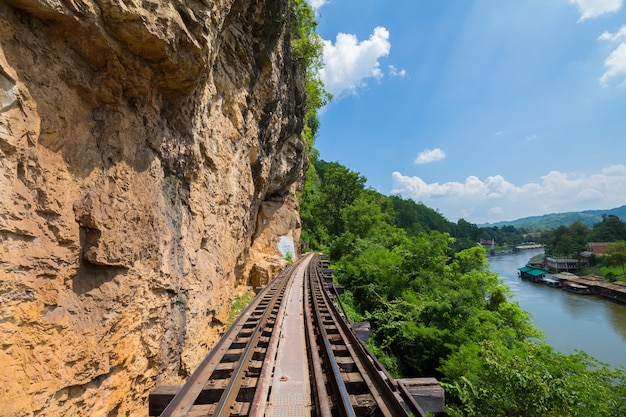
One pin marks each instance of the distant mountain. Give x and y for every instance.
(552, 221)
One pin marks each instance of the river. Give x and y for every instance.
(570, 321)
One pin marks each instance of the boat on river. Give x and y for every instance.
(551, 281)
(576, 288)
(615, 291)
(532, 273)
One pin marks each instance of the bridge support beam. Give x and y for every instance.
(427, 393)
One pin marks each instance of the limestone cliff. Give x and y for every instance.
(139, 141)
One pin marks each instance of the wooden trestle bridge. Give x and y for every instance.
(292, 352)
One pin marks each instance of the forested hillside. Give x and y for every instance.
(554, 220)
(437, 310)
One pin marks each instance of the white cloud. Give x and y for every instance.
(594, 8)
(618, 36)
(616, 62)
(532, 137)
(496, 210)
(395, 72)
(316, 4)
(349, 62)
(617, 170)
(589, 194)
(495, 199)
(430, 155)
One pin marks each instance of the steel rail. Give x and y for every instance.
(384, 386)
(232, 389)
(323, 400)
(345, 406)
(409, 400)
(343, 309)
(260, 395)
(180, 405)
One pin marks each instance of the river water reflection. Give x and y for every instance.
(569, 321)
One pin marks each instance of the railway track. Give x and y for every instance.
(290, 353)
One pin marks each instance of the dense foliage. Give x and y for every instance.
(307, 49)
(437, 310)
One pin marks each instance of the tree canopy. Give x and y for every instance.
(610, 229)
(307, 48)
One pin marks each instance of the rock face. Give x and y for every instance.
(149, 158)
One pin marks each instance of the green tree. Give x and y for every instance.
(580, 233)
(416, 218)
(314, 233)
(339, 188)
(368, 214)
(615, 255)
(610, 229)
(467, 234)
(566, 242)
(307, 49)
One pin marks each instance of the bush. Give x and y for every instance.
(289, 258)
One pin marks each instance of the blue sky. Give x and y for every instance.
(486, 110)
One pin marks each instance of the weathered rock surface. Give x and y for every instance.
(139, 141)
